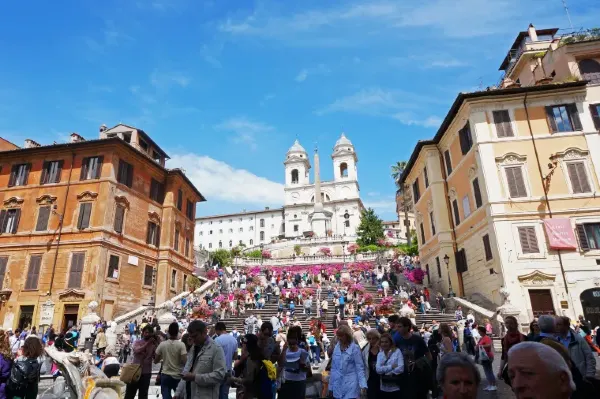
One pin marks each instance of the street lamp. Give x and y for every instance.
(261, 253)
(451, 293)
(346, 218)
(344, 243)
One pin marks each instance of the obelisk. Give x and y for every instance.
(319, 219)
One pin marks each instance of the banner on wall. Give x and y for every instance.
(560, 233)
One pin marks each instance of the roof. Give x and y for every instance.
(296, 147)
(342, 141)
(460, 99)
(112, 140)
(517, 43)
(145, 137)
(225, 215)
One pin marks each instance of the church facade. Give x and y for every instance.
(338, 210)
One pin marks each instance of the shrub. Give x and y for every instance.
(324, 251)
(297, 249)
(255, 254)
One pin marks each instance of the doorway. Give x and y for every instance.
(541, 302)
(26, 316)
(590, 301)
(70, 315)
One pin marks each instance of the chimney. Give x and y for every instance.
(102, 128)
(266, 208)
(76, 138)
(532, 33)
(31, 144)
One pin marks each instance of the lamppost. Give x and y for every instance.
(344, 243)
(346, 218)
(451, 293)
(261, 254)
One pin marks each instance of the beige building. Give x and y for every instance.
(508, 187)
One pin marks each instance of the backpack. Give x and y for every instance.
(23, 375)
(265, 383)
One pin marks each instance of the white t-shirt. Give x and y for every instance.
(110, 360)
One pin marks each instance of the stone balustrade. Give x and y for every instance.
(306, 260)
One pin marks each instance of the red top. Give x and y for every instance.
(485, 341)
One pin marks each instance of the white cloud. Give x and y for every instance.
(449, 63)
(302, 75)
(372, 101)
(382, 206)
(373, 194)
(268, 97)
(110, 36)
(164, 80)
(245, 131)
(219, 181)
(320, 69)
(405, 118)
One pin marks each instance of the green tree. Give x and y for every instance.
(397, 170)
(370, 229)
(193, 283)
(222, 257)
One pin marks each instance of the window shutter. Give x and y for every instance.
(574, 115)
(26, 178)
(44, 178)
(456, 212)
(13, 176)
(84, 167)
(76, 272)
(16, 223)
(502, 123)
(577, 175)
(528, 239)
(149, 233)
(157, 243)
(439, 267)
(516, 184)
(176, 244)
(129, 175)
(594, 111)
(487, 247)
(42, 221)
(85, 211)
(422, 234)
(2, 221)
(33, 273)
(477, 193)
(583, 241)
(508, 132)
(3, 263)
(461, 261)
(98, 167)
(59, 171)
(119, 216)
(551, 121)
(448, 162)
(148, 275)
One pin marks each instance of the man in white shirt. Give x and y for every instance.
(229, 345)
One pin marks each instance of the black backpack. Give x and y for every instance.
(23, 375)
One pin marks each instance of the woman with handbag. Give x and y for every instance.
(390, 365)
(485, 357)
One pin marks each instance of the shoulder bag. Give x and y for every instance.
(131, 372)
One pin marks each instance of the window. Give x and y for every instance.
(189, 210)
(262, 235)
(220, 231)
(119, 218)
(439, 267)
(416, 192)
(144, 145)
(76, 271)
(230, 220)
(432, 223)
(528, 239)
(272, 226)
(461, 261)
(210, 245)
(295, 176)
(465, 138)
(344, 169)
(113, 267)
(466, 206)
(578, 177)
(262, 222)
(251, 242)
(427, 273)
(456, 214)
(477, 193)
(220, 244)
(33, 272)
(231, 230)
(85, 210)
(91, 168)
(176, 240)
(426, 178)
(9, 220)
(448, 162)
(148, 273)
(502, 123)
(157, 191)
(563, 118)
(173, 278)
(347, 223)
(185, 282)
(296, 228)
(595, 111)
(590, 70)
(515, 181)
(3, 264)
(230, 243)
(187, 247)
(251, 228)
(19, 175)
(43, 217)
(201, 233)
(125, 173)
(589, 236)
(153, 234)
(422, 233)
(51, 172)
(210, 232)
(487, 247)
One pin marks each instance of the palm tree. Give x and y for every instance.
(397, 171)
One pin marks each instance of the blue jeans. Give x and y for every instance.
(224, 391)
(489, 372)
(168, 384)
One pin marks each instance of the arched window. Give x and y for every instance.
(262, 235)
(210, 245)
(344, 169)
(251, 242)
(220, 244)
(590, 70)
(324, 198)
(295, 176)
(230, 243)
(262, 222)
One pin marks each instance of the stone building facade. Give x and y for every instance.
(100, 220)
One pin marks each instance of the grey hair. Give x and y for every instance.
(547, 323)
(373, 333)
(550, 357)
(456, 359)
(197, 325)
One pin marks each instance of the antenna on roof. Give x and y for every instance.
(568, 15)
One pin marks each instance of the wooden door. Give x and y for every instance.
(541, 302)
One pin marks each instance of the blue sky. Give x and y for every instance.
(226, 86)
